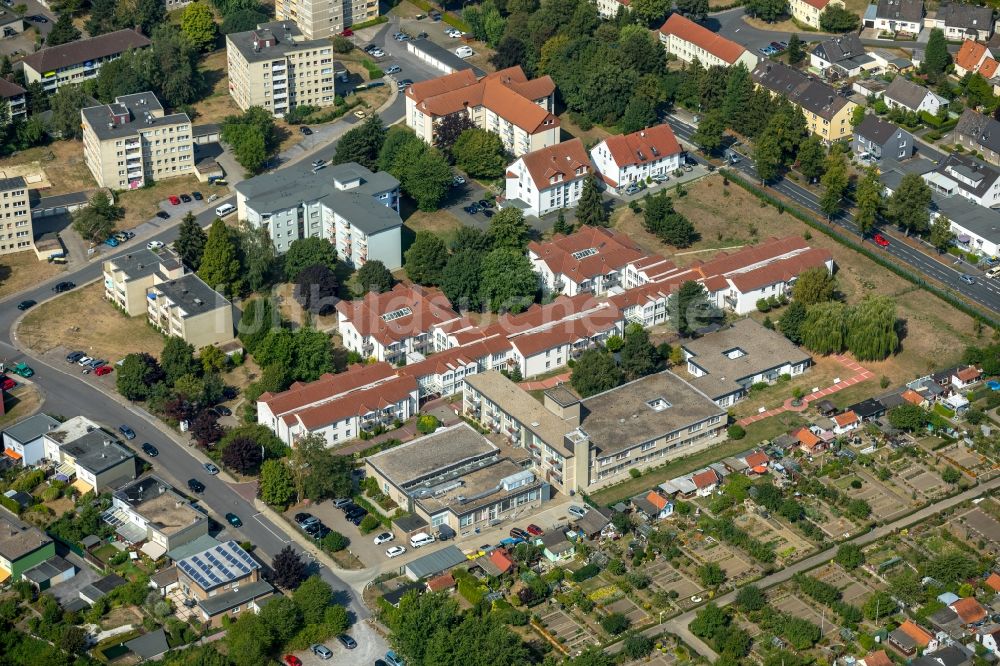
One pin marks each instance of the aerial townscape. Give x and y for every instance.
(499, 333)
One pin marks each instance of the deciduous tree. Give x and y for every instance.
(814, 285)
(837, 19)
(508, 230)
(426, 258)
(480, 153)
(289, 571)
(276, 486)
(220, 263)
(595, 371)
(690, 308)
(198, 26)
(508, 282)
(317, 288)
(795, 52)
(834, 182)
(362, 144)
(936, 56)
(871, 329)
(306, 252)
(460, 280)
(206, 429)
(312, 598)
(66, 105)
(908, 206)
(767, 10)
(868, 201)
(177, 359)
(811, 158)
(908, 417)
(243, 454)
(696, 10)
(449, 129)
(941, 236)
(767, 158)
(138, 375)
(373, 276)
(660, 218)
(638, 356)
(823, 329)
(711, 127)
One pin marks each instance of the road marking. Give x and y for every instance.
(280, 537)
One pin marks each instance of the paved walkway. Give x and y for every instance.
(546, 383)
(862, 374)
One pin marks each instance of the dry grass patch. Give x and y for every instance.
(20, 403)
(441, 223)
(63, 164)
(218, 104)
(570, 130)
(788, 25)
(21, 270)
(83, 320)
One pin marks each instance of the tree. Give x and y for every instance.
(220, 264)
(696, 10)
(795, 52)
(259, 318)
(313, 597)
(335, 542)
(243, 20)
(137, 376)
(66, 105)
(362, 144)
(428, 180)
(811, 158)
(248, 146)
(690, 308)
(319, 472)
(739, 90)
(768, 158)
(750, 598)
(480, 153)
(306, 252)
(640, 113)
(511, 52)
(638, 356)
(471, 238)
(190, 243)
(978, 92)
(198, 26)
(814, 285)
(460, 280)
(595, 372)
(823, 328)
(282, 618)
(936, 56)
(509, 230)
(426, 258)
(257, 257)
(63, 31)
(710, 621)
(448, 130)
(711, 575)
(835, 182)
(838, 19)
(206, 429)
(849, 555)
(590, 209)
(908, 417)
(711, 127)
(879, 606)
(660, 218)
(951, 475)
(288, 569)
(868, 201)
(73, 639)
(615, 623)
(871, 329)
(373, 276)
(177, 359)
(244, 455)
(316, 288)
(276, 486)
(419, 615)
(941, 234)
(508, 282)
(767, 10)
(174, 65)
(248, 640)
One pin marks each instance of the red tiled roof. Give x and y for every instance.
(989, 68)
(441, 583)
(917, 633)
(646, 145)
(969, 610)
(326, 387)
(501, 561)
(657, 500)
(970, 55)
(877, 658)
(428, 307)
(561, 163)
(845, 419)
(614, 251)
(968, 374)
(705, 479)
(994, 582)
(781, 270)
(690, 31)
(807, 438)
(912, 397)
(358, 402)
(757, 458)
(818, 4)
(567, 331)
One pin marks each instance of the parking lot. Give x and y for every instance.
(371, 646)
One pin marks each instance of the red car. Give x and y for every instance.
(7, 383)
(174, 200)
(535, 530)
(347, 33)
(292, 660)
(881, 240)
(104, 370)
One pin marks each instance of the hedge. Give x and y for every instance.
(471, 590)
(587, 572)
(847, 242)
(372, 511)
(10, 505)
(378, 20)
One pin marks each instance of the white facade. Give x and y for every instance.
(632, 173)
(539, 202)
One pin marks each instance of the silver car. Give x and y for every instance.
(577, 510)
(321, 651)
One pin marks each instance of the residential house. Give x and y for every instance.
(653, 506)
(875, 138)
(843, 56)
(520, 111)
(222, 580)
(188, 308)
(393, 324)
(756, 462)
(910, 637)
(868, 409)
(688, 41)
(989, 636)
(914, 398)
(726, 363)
(608, 9)
(809, 441)
(16, 232)
(876, 658)
(846, 422)
(706, 481)
(904, 94)
(22, 546)
(828, 115)
(968, 177)
(275, 68)
(947, 621)
(24, 441)
(622, 160)
(79, 60)
(15, 96)
(962, 21)
(993, 582)
(596, 524)
(809, 11)
(80, 449)
(496, 563)
(966, 377)
(149, 510)
(975, 131)
(968, 610)
(456, 477)
(548, 179)
(128, 277)
(340, 407)
(951, 655)
(323, 19)
(890, 62)
(350, 206)
(555, 547)
(975, 58)
(899, 16)
(443, 583)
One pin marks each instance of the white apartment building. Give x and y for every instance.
(966, 176)
(131, 141)
(348, 205)
(808, 11)
(689, 41)
(190, 309)
(276, 68)
(520, 111)
(14, 95)
(80, 60)
(128, 277)
(608, 9)
(549, 179)
(15, 216)
(322, 19)
(622, 160)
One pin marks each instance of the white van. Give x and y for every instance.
(464, 52)
(420, 539)
(225, 209)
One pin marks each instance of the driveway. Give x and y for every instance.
(70, 590)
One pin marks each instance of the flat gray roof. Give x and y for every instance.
(135, 106)
(31, 428)
(15, 183)
(192, 294)
(143, 262)
(621, 418)
(203, 542)
(97, 451)
(46, 570)
(443, 55)
(284, 37)
(149, 645)
(18, 538)
(434, 563)
(60, 200)
(509, 397)
(431, 455)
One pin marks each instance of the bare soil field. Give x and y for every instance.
(21, 270)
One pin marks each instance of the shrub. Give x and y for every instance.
(736, 431)
(634, 473)
(615, 623)
(369, 523)
(427, 423)
(585, 573)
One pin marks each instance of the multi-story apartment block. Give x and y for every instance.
(828, 115)
(275, 68)
(222, 580)
(688, 41)
(149, 510)
(14, 95)
(808, 11)
(622, 160)
(79, 60)
(15, 216)
(130, 142)
(96, 459)
(190, 309)
(346, 204)
(322, 19)
(520, 111)
(549, 179)
(128, 277)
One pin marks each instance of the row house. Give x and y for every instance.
(518, 110)
(968, 177)
(688, 41)
(975, 131)
(962, 21)
(548, 179)
(827, 114)
(624, 160)
(79, 60)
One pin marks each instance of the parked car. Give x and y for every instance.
(394, 659)
(321, 651)
(211, 469)
(305, 131)
(422, 35)
(292, 660)
(196, 486)
(660, 177)
(222, 410)
(341, 502)
(577, 510)
(967, 279)
(394, 551)
(234, 520)
(318, 163)
(454, 33)
(6, 383)
(404, 84)
(73, 357)
(634, 188)
(384, 537)
(163, 215)
(37, 18)
(347, 508)
(197, 196)
(377, 53)
(347, 641)
(104, 370)
(113, 242)
(360, 114)
(154, 245)
(535, 530)
(471, 209)
(881, 240)
(174, 200)
(126, 431)
(303, 519)
(518, 533)
(97, 363)
(393, 69)
(24, 305)
(464, 52)
(457, 180)
(150, 450)
(347, 33)
(186, 198)
(22, 369)
(401, 36)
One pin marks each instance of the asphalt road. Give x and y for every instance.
(984, 294)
